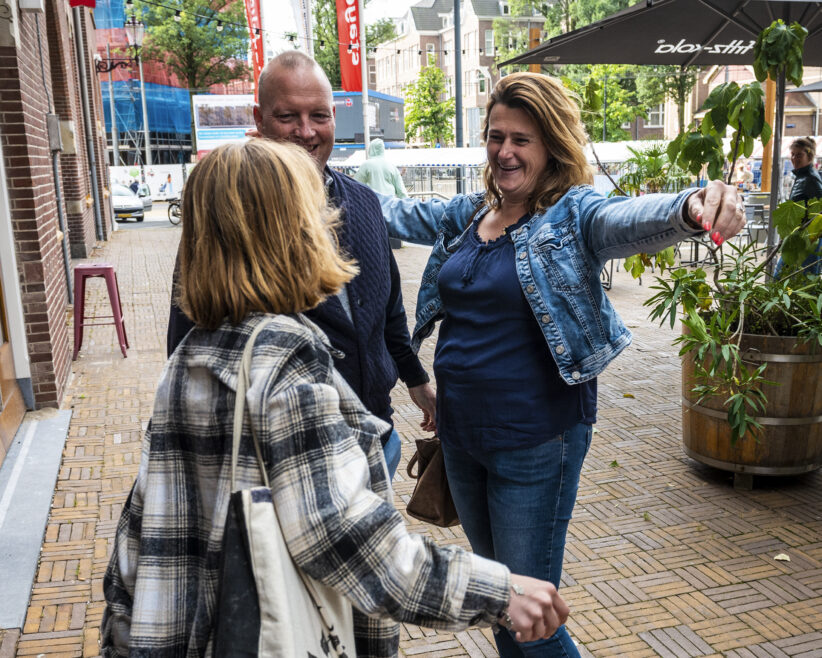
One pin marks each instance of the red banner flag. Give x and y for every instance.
(83, 3)
(348, 28)
(255, 33)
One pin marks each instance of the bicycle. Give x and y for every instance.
(174, 215)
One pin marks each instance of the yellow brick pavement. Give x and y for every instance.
(664, 557)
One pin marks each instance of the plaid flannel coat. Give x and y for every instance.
(330, 489)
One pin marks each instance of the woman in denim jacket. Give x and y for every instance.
(514, 275)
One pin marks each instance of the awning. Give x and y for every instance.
(680, 32)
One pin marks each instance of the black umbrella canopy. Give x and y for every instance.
(680, 32)
(813, 86)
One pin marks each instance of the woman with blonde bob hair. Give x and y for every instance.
(257, 250)
(232, 230)
(526, 328)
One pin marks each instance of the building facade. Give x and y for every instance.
(53, 184)
(425, 35)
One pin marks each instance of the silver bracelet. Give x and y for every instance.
(503, 617)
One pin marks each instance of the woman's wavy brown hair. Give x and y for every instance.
(257, 235)
(807, 144)
(556, 116)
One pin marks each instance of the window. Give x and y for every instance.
(504, 9)
(480, 83)
(447, 20)
(431, 56)
(656, 117)
(489, 42)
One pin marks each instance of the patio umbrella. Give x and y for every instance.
(814, 86)
(680, 32)
(684, 33)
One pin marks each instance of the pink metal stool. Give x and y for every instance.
(81, 273)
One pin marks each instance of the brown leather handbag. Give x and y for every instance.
(431, 501)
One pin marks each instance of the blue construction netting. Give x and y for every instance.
(168, 107)
(110, 14)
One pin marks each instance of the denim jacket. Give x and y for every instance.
(559, 254)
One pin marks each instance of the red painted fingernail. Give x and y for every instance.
(719, 241)
(706, 225)
(715, 236)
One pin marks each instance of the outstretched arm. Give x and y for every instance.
(412, 220)
(327, 476)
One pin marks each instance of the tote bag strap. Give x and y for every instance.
(243, 381)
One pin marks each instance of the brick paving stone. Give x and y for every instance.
(664, 556)
(644, 616)
(676, 642)
(8, 642)
(727, 633)
(808, 645)
(766, 650)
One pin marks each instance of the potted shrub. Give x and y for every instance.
(752, 341)
(751, 351)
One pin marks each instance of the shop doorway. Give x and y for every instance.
(12, 407)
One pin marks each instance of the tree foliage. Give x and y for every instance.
(426, 114)
(327, 41)
(615, 86)
(192, 48)
(655, 84)
(566, 15)
(628, 91)
(380, 31)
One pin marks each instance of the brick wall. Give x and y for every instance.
(23, 108)
(74, 168)
(98, 121)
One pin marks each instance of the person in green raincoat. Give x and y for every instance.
(379, 174)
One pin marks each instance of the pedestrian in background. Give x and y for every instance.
(242, 268)
(379, 174)
(526, 327)
(807, 185)
(168, 188)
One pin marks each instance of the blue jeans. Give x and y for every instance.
(392, 451)
(515, 506)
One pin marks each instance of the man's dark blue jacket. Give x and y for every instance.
(376, 344)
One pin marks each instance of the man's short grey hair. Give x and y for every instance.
(290, 60)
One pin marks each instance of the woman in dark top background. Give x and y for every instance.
(807, 186)
(808, 183)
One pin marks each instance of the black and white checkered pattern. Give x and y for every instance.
(330, 488)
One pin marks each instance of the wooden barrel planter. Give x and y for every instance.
(791, 437)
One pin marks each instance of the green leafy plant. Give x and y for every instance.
(778, 48)
(649, 171)
(728, 105)
(740, 297)
(427, 113)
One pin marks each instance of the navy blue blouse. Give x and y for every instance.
(498, 386)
